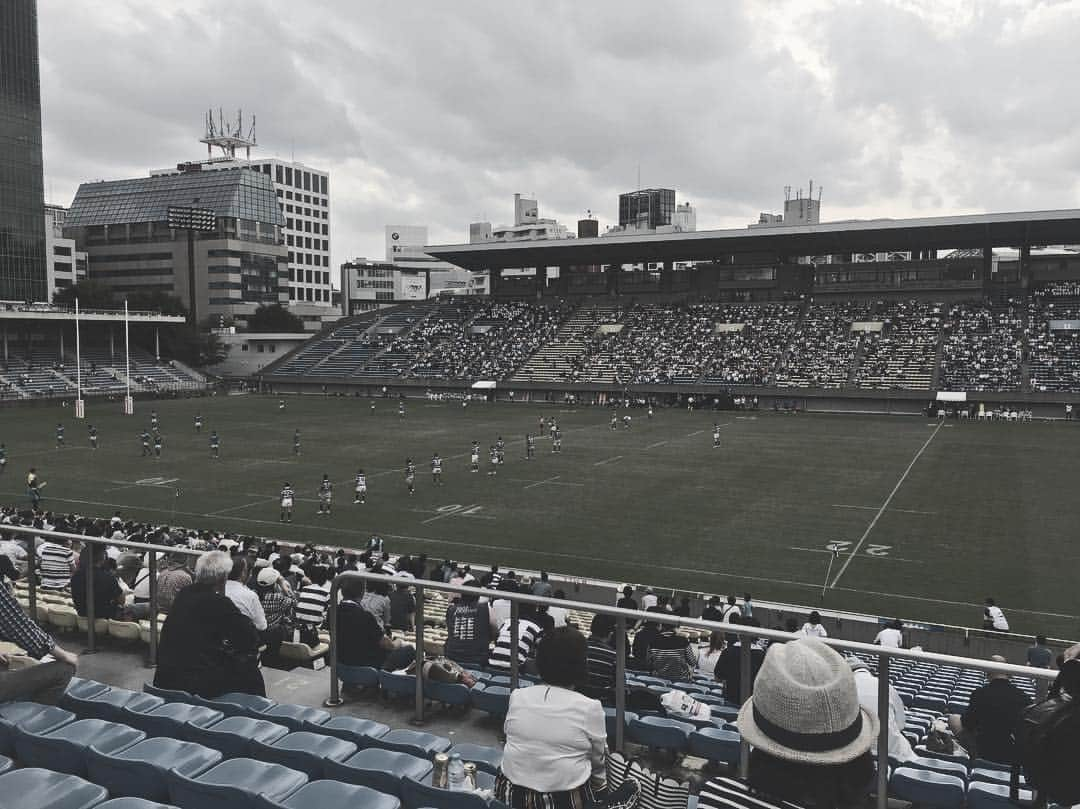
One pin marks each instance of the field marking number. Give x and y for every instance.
(842, 546)
(157, 481)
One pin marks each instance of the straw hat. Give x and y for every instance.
(805, 706)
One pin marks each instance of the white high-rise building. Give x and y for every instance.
(65, 266)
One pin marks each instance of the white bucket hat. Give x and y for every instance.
(805, 706)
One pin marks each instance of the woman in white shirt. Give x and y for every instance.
(891, 637)
(813, 628)
(556, 739)
(709, 655)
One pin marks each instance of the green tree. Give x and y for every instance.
(274, 318)
(91, 295)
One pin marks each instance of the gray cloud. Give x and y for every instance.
(436, 113)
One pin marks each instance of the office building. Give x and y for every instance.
(66, 265)
(23, 259)
(647, 209)
(798, 210)
(237, 266)
(528, 226)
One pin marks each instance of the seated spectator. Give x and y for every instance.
(311, 603)
(402, 608)
(867, 685)
(709, 655)
(731, 611)
(208, 647)
(528, 636)
(986, 728)
(43, 683)
(172, 580)
(108, 597)
(729, 665)
(813, 628)
(468, 631)
(278, 602)
(643, 641)
(671, 655)
(713, 611)
(542, 587)
(376, 600)
(892, 636)
(627, 601)
(683, 610)
(361, 641)
(56, 563)
(558, 614)
(600, 659)
(243, 596)
(1040, 655)
(547, 623)
(556, 739)
(810, 738)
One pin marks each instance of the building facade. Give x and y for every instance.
(238, 266)
(649, 208)
(23, 259)
(66, 265)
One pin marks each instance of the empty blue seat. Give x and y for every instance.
(609, 720)
(333, 795)
(140, 770)
(486, 759)
(304, 751)
(659, 732)
(169, 694)
(992, 776)
(134, 803)
(416, 795)
(492, 699)
(982, 795)
(296, 717)
(110, 703)
(378, 769)
(234, 735)
(413, 742)
(361, 732)
(358, 676)
(928, 788)
(35, 788)
(452, 694)
(922, 752)
(716, 744)
(940, 765)
(234, 784)
(82, 687)
(64, 749)
(238, 704)
(987, 764)
(171, 718)
(397, 685)
(31, 716)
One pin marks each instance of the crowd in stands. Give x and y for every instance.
(824, 353)
(982, 348)
(1055, 353)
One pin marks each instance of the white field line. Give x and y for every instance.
(608, 460)
(865, 556)
(656, 444)
(897, 510)
(885, 505)
(542, 482)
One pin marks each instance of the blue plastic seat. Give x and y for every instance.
(171, 718)
(110, 704)
(80, 687)
(414, 742)
(922, 752)
(234, 784)
(64, 749)
(140, 770)
(234, 735)
(296, 717)
(358, 676)
(940, 765)
(452, 694)
(659, 732)
(492, 699)
(927, 788)
(332, 795)
(417, 795)
(6, 764)
(486, 759)
(134, 803)
(987, 764)
(379, 769)
(992, 776)
(239, 704)
(45, 789)
(304, 751)
(609, 720)
(169, 694)
(32, 717)
(361, 732)
(715, 744)
(981, 795)
(397, 685)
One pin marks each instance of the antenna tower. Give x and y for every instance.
(228, 137)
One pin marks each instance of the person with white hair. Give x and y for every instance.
(208, 646)
(810, 738)
(867, 685)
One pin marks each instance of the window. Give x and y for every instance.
(288, 179)
(288, 223)
(261, 348)
(322, 185)
(292, 297)
(307, 197)
(288, 195)
(289, 240)
(325, 244)
(309, 295)
(291, 260)
(326, 278)
(307, 245)
(278, 192)
(308, 276)
(325, 232)
(288, 209)
(307, 182)
(292, 274)
(278, 174)
(307, 211)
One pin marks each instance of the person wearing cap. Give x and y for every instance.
(810, 738)
(713, 610)
(278, 603)
(867, 684)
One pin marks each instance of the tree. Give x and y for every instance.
(157, 301)
(274, 318)
(91, 295)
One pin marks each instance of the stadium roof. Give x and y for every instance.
(238, 193)
(852, 236)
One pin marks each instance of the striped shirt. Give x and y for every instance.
(311, 604)
(600, 661)
(528, 636)
(672, 657)
(56, 564)
(727, 793)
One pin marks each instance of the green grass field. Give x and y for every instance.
(928, 519)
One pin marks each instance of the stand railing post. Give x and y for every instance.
(334, 700)
(418, 717)
(513, 645)
(884, 709)
(620, 681)
(744, 694)
(152, 582)
(91, 635)
(31, 575)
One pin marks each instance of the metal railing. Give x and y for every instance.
(151, 550)
(623, 619)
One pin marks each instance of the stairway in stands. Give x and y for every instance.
(554, 361)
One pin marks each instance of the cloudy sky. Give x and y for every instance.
(435, 113)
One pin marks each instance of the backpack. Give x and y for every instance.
(1047, 741)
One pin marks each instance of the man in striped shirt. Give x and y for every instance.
(600, 659)
(671, 655)
(56, 563)
(528, 637)
(311, 603)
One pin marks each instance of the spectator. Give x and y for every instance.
(709, 656)
(892, 636)
(208, 647)
(627, 601)
(528, 636)
(509, 582)
(867, 685)
(402, 608)
(813, 628)
(713, 611)
(556, 739)
(748, 606)
(986, 728)
(671, 656)
(1040, 655)
(56, 563)
(172, 580)
(683, 610)
(468, 631)
(278, 602)
(994, 618)
(9, 573)
(376, 600)
(731, 611)
(361, 641)
(43, 683)
(810, 738)
(108, 597)
(600, 659)
(729, 665)
(643, 641)
(243, 596)
(649, 600)
(492, 578)
(311, 604)
(558, 614)
(542, 587)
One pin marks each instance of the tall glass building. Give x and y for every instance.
(22, 194)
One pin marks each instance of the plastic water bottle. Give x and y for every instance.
(456, 773)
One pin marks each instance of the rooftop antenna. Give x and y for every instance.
(787, 193)
(811, 194)
(228, 138)
(638, 176)
(819, 190)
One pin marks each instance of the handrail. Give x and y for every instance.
(624, 616)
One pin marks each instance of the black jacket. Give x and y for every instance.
(208, 647)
